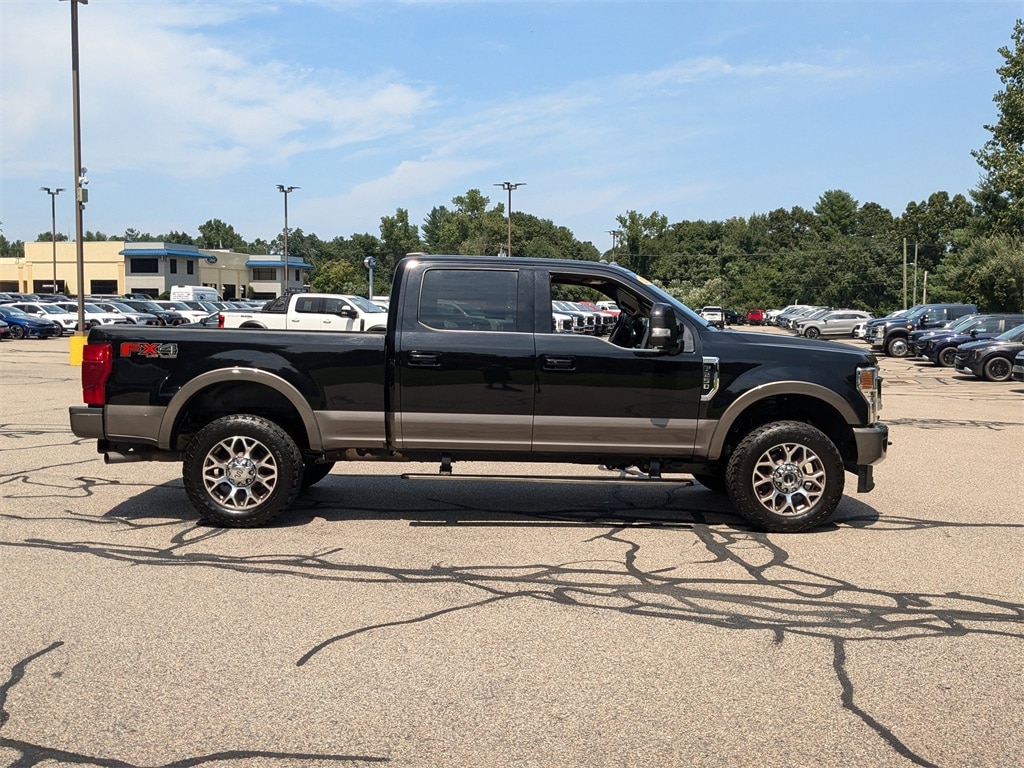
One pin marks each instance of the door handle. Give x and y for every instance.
(425, 359)
(552, 363)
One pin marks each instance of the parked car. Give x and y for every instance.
(193, 310)
(1018, 367)
(840, 322)
(893, 336)
(165, 315)
(940, 349)
(734, 317)
(5, 330)
(66, 321)
(714, 315)
(131, 314)
(991, 359)
(918, 338)
(23, 325)
(755, 317)
(93, 314)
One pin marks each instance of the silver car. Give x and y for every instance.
(839, 322)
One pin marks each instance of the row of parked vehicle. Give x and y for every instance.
(986, 345)
(815, 322)
(51, 315)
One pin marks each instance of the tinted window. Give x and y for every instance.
(469, 300)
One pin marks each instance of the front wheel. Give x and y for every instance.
(17, 332)
(897, 347)
(786, 476)
(998, 369)
(946, 357)
(241, 470)
(812, 333)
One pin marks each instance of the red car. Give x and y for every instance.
(755, 317)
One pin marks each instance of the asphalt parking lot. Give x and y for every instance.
(433, 622)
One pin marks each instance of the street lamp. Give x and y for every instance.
(53, 227)
(285, 190)
(508, 185)
(81, 193)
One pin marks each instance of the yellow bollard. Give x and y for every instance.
(77, 345)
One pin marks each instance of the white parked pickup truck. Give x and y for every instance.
(311, 312)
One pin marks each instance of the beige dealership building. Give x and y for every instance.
(119, 267)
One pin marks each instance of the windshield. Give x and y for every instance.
(121, 307)
(12, 312)
(365, 304)
(1014, 334)
(53, 309)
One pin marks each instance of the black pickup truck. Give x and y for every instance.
(471, 368)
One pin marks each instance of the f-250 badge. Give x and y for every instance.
(148, 349)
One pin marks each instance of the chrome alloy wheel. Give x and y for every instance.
(239, 472)
(789, 479)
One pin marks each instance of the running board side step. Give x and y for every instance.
(619, 479)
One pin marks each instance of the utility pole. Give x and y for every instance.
(915, 273)
(508, 185)
(904, 273)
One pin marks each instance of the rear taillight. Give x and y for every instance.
(220, 320)
(96, 364)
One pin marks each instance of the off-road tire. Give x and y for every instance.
(785, 477)
(241, 470)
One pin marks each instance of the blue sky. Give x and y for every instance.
(193, 110)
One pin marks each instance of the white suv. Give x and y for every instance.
(714, 315)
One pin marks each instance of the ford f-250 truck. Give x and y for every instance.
(772, 421)
(310, 312)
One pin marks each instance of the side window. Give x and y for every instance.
(334, 306)
(308, 304)
(469, 299)
(280, 304)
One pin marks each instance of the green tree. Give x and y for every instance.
(989, 272)
(46, 237)
(1000, 193)
(836, 214)
(216, 235)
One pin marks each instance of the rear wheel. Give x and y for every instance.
(998, 369)
(241, 470)
(786, 476)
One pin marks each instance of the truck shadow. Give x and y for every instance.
(462, 501)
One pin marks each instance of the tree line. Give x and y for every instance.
(841, 253)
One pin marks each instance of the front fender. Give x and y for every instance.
(721, 426)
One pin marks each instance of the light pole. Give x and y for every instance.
(508, 185)
(285, 190)
(53, 227)
(81, 193)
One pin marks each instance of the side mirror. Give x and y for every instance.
(349, 313)
(664, 328)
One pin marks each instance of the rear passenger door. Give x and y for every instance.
(464, 360)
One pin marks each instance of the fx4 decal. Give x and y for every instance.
(148, 349)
